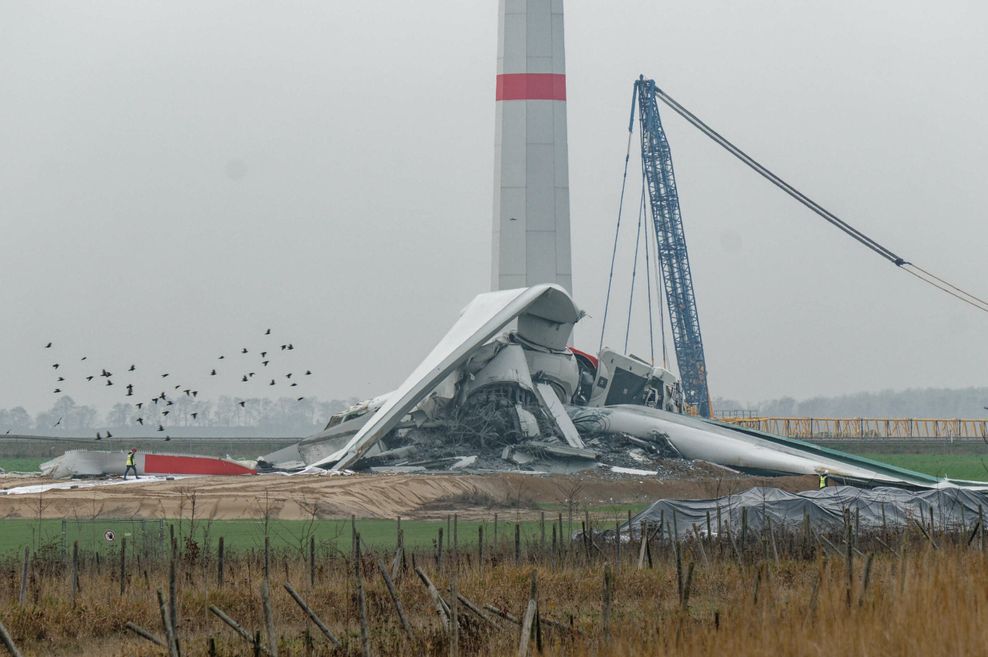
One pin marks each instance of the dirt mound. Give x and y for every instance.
(366, 496)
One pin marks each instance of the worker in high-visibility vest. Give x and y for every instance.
(823, 479)
(130, 463)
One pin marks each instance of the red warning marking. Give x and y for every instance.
(531, 86)
(202, 465)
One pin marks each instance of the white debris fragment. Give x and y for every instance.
(633, 471)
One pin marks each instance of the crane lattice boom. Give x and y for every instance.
(673, 256)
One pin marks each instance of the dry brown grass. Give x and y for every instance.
(919, 599)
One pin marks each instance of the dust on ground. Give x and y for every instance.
(419, 496)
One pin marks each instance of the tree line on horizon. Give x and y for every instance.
(911, 403)
(282, 415)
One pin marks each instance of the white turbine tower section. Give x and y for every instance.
(531, 173)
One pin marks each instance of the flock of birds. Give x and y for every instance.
(165, 400)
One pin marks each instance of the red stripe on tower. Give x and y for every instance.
(531, 86)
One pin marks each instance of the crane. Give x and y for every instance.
(674, 261)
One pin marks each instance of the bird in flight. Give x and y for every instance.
(48, 346)
(61, 378)
(132, 368)
(130, 389)
(57, 390)
(244, 380)
(165, 412)
(308, 372)
(164, 375)
(221, 357)
(55, 366)
(161, 428)
(109, 383)
(140, 421)
(244, 350)
(98, 437)
(265, 362)
(288, 376)
(195, 415)
(300, 399)
(57, 423)
(139, 404)
(263, 354)
(242, 403)
(108, 434)
(272, 382)
(167, 438)
(84, 358)
(213, 373)
(268, 332)
(89, 378)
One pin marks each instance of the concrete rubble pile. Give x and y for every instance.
(490, 400)
(504, 390)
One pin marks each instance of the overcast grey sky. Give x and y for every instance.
(175, 177)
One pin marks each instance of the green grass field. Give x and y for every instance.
(955, 466)
(249, 534)
(285, 534)
(21, 463)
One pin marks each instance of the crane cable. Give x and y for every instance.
(920, 273)
(648, 281)
(634, 267)
(617, 228)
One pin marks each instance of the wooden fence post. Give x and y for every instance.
(9, 642)
(269, 618)
(219, 563)
(123, 565)
(312, 562)
(25, 575)
(326, 632)
(529, 620)
(361, 599)
(74, 577)
(405, 625)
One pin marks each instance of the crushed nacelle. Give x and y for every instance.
(503, 390)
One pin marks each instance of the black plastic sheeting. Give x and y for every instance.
(870, 508)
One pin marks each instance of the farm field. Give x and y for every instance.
(906, 592)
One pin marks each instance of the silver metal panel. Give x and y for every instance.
(540, 120)
(558, 45)
(562, 150)
(550, 401)
(515, 51)
(513, 144)
(512, 258)
(539, 36)
(564, 261)
(540, 257)
(531, 180)
(540, 202)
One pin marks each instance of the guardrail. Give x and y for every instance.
(866, 427)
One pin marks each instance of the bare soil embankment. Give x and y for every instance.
(365, 496)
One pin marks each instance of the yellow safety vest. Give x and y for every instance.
(130, 458)
(823, 481)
